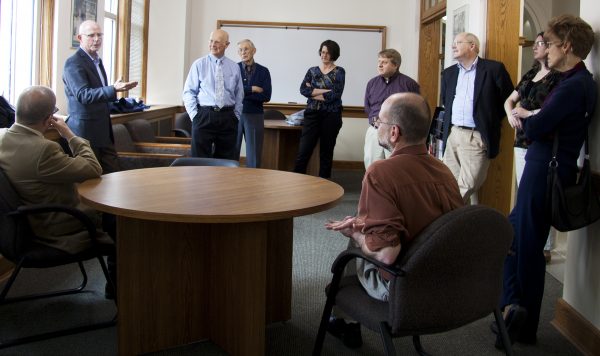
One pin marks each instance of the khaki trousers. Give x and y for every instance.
(373, 152)
(466, 156)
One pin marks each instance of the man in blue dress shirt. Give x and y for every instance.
(212, 96)
(473, 95)
(257, 90)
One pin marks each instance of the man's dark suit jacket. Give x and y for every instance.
(88, 98)
(492, 87)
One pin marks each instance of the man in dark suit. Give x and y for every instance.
(88, 94)
(473, 94)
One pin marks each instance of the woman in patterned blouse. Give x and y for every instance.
(531, 92)
(323, 85)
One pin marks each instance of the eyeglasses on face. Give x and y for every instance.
(54, 111)
(456, 43)
(378, 122)
(540, 44)
(93, 35)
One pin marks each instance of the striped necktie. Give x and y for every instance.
(219, 84)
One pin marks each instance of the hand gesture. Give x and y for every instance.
(61, 126)
(120, 85)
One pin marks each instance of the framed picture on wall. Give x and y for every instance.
(81, 10)
(460, 20)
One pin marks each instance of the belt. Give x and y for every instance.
(465, 127)
(216, 108)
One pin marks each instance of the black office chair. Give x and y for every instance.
(274, 115)
(183, 125)
(449, 276)
(18, 245)
(205, 161)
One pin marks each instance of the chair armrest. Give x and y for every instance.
(347, 255)
(181, 133)
(168, 139)
(149, 155)
(53, 208)
(162, 145)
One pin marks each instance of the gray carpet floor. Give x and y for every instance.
(314, 250)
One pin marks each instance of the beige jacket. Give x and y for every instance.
(42, 173)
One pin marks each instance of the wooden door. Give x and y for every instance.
(429, 61)
(502, 44)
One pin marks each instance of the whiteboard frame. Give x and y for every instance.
(349, 110)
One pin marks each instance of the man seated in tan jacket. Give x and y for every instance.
(42, 173)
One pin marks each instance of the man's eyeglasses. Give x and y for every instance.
(456, 43)
(540, 44)
(93, 35)
(378, 122)
(54, 111)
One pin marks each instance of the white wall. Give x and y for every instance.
(167, 51)
(399, 17)
(582, 280)
(62, 47)
(477, 15)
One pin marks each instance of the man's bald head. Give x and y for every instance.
(412, 115)
(218, 43)
(35, 104)
(90, 37)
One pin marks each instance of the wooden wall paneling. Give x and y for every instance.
(429, 73)
(503, 23)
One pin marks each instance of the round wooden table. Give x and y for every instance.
(204, 252)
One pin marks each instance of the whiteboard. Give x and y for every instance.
(288, 50)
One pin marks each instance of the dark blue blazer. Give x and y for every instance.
(88, 98)
(253, 102)
(566, 112)
(492, 87)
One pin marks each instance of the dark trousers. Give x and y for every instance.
(107, 156)
(525, 266)
(214, 134)
(109, 225)
(318, 125)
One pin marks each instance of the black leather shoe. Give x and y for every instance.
(514, 321)
(349, 333)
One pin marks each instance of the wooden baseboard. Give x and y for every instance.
(350, 165)
(577, 329)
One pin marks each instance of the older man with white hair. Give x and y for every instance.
(257, 91)
(473, 94)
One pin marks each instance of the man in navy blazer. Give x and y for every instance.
(257, 91)
(473, 94)
(88, 94)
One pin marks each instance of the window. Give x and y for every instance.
(136, 47)
(125, 34)
(19, 27)
(110, 38)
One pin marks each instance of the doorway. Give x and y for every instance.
(432, 46)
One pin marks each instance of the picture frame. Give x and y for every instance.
(81, 10)
(460, 20)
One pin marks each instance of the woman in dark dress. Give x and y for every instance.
(530, 94)
(566, 112)
(323, 86)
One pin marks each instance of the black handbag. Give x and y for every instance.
(575, 206)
